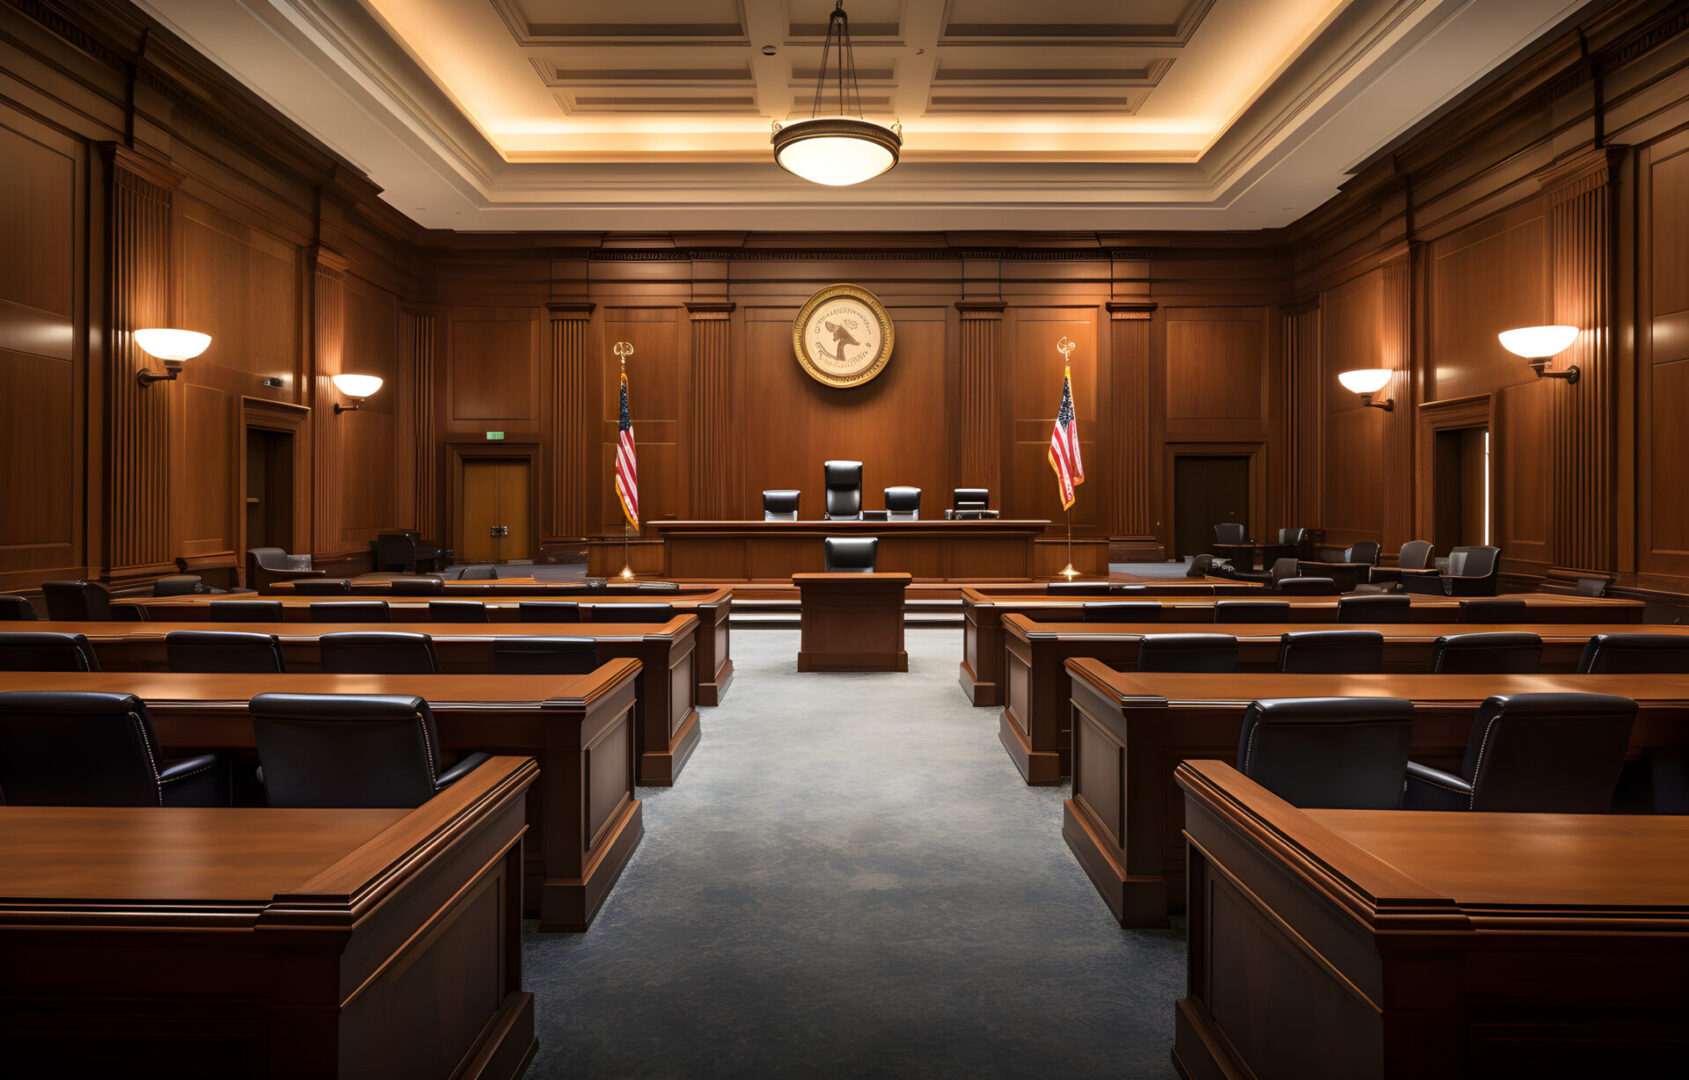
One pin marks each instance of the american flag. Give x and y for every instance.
(627, 463)
(1064, 444)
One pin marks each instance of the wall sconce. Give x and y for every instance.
(357, 387)
(173, 347)
(1367, 382)
(1539, 345)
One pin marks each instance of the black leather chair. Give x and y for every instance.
(1307, 586)
(77, 601)
(1200, 566)
(544, 656)
(458, 611)
(1289, 546)
(1366, 551)
(1374, 609)
(1593, 586)
(1415, 555)
(903, 503)
(843, 480)
(1252, 611)
(267, 565)
(1488, 609)
(224, 651)
(46, 652)
(634, 613)
(1123, 611)
(1232, 543)
(383, 653)
(850, 554)
(352, 611)
(1078, 588)
(350, 751)
(322, 587)
(780, 504)
(478, 572)
(14, 608)
(1199, 653)
(179, 585)
(417, 586)
(1472, 571)
(264, 611)
(1346, 753)
(1541, 753)
(76, 749)
(548, 611)
(1331, 652)
(403, 552)
(1634, 654)
(1281, 570)
(970, 500)
(1487, 654)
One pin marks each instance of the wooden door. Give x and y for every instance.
(514, 541)
(1207, 491)
(496, 519)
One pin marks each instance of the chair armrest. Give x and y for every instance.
(1434, 789)
(462, 769)
(198, 781)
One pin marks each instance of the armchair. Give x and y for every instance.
(404, 552)
(1472, 571)
(1232, 543)
(267, 565)
(1415, 555)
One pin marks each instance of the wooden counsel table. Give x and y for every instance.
(983, 608)
(665, 718)
(583, 811)
(852, 622)
(1401, 945)
(1034, 724)
(271, 943)
(1131, 730)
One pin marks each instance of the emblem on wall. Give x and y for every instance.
(842, 336)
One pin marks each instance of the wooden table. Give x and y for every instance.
(983, 608)
(1388, 945)
(713, 669)
(585, 816)
(268, 943)
(1034, 723)
(1131, 731)
(852, 622)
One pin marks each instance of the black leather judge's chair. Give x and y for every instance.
(1472, 571)
(417, 586)
(1331, 652)
(1200, 653)
(850, 554)
(548, 611)
(224, 651)
(970, 500)
(1534, 753)
(1374, 609)
(1123, 611)
(352, 611)
(634, 613)
(265, 611)
(458, 611)
(14, 608)
(350, 751)
(383, 653)
(1634, 654)
(1415, 555)
(1252, 611)
(780, 504)
(76, 749)
(544, 656)
(1487, 654)
(903, 503)
(322, 587)
(46, 652)
(1307, 586)
(179, 585)
(267, 565)
(77, 601)
(1333, 753)
(1488, 609)
(844, 490)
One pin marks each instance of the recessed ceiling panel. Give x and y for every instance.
(540, 21)
(1138, 22)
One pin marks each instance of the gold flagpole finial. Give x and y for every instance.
(1065, 347)
(623, 350)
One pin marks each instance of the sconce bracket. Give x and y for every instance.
(339, 408)
(172, 368)
(1388, 404)
(1540, 366)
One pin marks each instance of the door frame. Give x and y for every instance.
(1256, 452)
(458, 453)
(1453, 414)
(289, 419)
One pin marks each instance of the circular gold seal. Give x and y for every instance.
(842, 336)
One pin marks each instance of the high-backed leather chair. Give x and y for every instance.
(780, 504)
(1331, 652)
(179, 585)
(383, 653)
(265, 611)
(224, 651)
(46, 652)
(458, 611)
(352, 611)
(544, 656)
(850, 554)
(1252, 611)
(267, 565)
(1230, 532)
(1078, 588)
(350, 751)
(1231, 542)
(77, 601)
(903, 503)
(14, 608)
(1638, 654)
(548, 611)
(1487, 654)
(1415, 555)
(403, 552)
(1281, 570)
(1542, 753)
(1288, 546)
(79, 749)
(1307, 586)
(1366, 551)
(1472, 571)
(1187, 652)
(322, 587)
(1347, 753)
(417, 586)
(634, 613)
(843, 481)
(1488, 609)
(1374, 609)
(970, 500)
(1122, 611)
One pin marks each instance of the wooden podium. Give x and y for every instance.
(852, 622)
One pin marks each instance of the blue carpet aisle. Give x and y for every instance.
(851, 880)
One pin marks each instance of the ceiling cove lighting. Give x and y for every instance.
(357, 387)
(1538, 345)
(837, 150)
(174, 347)
(1367, 382)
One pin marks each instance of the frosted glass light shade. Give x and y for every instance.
(836, 151)
(1365, 380)
(1538, 342)
(357, 386)
(172, 345)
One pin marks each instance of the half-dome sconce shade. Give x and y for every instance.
(1366, 382)
(1538, 345)
(174, 347)
(843, 149)
(357, 387)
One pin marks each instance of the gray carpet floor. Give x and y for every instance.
(851, 880)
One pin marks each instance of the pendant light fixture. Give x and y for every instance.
(842, 149)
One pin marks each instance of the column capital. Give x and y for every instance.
(981, 309)
(1131, 309)
(710, 309)
(570, 309)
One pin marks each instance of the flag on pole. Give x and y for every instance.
(627, 464)
(1064, 444)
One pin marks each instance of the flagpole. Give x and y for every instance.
(623, 350)
(1068, 571)
(1066, 347)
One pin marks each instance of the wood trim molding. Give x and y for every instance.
(712, 410)
(1123, 311)
(1476, 410)
(563, 414)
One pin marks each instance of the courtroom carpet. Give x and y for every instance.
(850, 879)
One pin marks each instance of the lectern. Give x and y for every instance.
(852, 622)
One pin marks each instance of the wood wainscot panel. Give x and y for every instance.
(1216, 368)
(1034, 378)
(657, 385)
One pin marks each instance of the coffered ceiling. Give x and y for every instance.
(1060, 114)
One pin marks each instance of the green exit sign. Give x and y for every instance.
(495, 436)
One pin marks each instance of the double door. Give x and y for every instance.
(496, 507)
